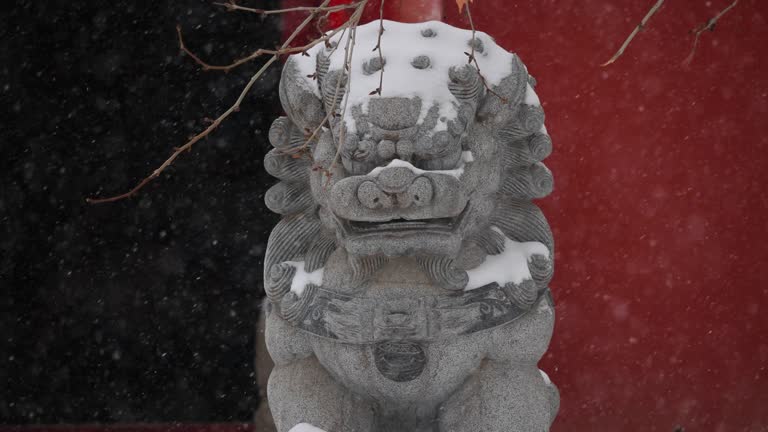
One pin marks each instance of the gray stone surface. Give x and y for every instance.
(372, 322)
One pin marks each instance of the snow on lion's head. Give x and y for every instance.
(440, 164)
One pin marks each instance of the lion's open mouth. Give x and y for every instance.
(400, 225)
(403, 225)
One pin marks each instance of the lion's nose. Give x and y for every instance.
(395, 187)
(395, 179)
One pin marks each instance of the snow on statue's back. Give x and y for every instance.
(408, 277)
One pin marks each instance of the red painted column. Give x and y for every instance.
(660, 213)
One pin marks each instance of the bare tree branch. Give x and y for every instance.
(232, 6)
(709, 25)
(348, 52)
(634, 33)
(378, 47)
(258, 53)
(473, 59)
(234, 108)
(330, 112)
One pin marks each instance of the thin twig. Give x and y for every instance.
(234, 108)
(378, 47)
(330, 112)
(189, 143)
(473, 59)
(348, 53)
(232, 6)
(634, 33)
(709, 25)
(258, 53)
(320, 25)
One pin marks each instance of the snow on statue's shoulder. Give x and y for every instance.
(417, 59)
(302, 278)
(511, 265)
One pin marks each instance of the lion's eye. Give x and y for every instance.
(360, 154)
(440, 152)
(359, 157)
(434, 146)
(366, 147)
(449, 161)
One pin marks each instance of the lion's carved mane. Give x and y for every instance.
(407, 160)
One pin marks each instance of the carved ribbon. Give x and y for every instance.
(365, 321)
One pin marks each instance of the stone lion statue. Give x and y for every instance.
(407, 280)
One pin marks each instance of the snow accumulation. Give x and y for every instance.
(531, 98)
(544, 375)
(302, 278)
(305, 427)
(466, 157)
(509, 266)
(401, 43)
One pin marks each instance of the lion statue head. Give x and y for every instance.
(429, 149)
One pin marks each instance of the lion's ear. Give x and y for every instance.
(300, 101)
(514, 114)
(288, 162)
(502, 103)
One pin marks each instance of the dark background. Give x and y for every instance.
(141, 310)
(144, 310)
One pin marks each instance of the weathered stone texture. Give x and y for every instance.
(408, 278)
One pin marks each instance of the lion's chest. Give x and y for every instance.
(398, 354)
(402, 371)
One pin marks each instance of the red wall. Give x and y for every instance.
(659, 211)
